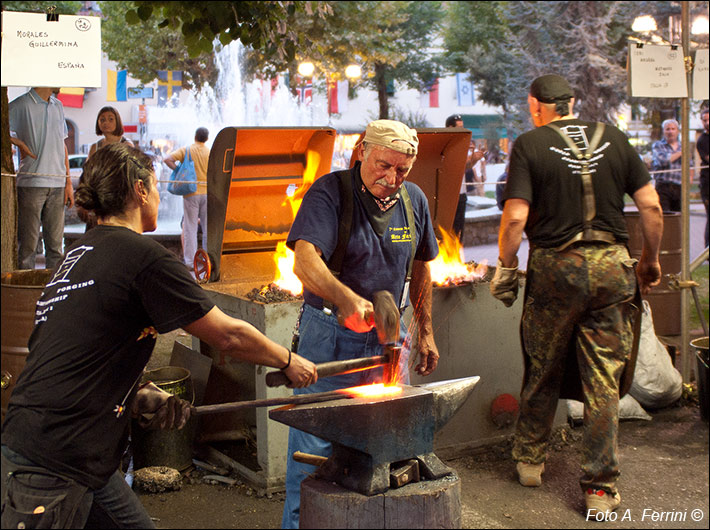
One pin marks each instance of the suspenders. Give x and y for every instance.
(345, 227)
(589, 209)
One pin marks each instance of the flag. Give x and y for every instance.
(116, 85)
(337, 97)
(306, 93)
(71, 97)
(430, 97)
(169, 83)
(464, 91)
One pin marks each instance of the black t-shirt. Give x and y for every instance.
(95, 328)
(703, 147)
(377, 255)
(544, 173)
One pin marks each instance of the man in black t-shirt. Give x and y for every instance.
(580, 278)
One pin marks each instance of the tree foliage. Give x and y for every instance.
(582, 41)
(391, 41)
(143, 48)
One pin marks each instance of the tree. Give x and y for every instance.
(389, 39)
(392, 40)
(582, 41)
(143, 48)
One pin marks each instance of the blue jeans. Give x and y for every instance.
(67, 504)
(322, 339)
(40, 207)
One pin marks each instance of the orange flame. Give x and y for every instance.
(375, 390)
(284, 257)
(285, 278)
(448, 268)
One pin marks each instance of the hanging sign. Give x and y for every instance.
(656, 71)
(39, 50)
(700, 75)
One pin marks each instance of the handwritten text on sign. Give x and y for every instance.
(62, 53)
(657, 71)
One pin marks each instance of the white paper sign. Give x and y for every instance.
(700, 75)
(63, 53)
(657, 71)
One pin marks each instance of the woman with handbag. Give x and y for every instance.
(194, 204)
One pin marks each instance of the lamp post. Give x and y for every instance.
(307, 70)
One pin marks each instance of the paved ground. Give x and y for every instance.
(664, 484)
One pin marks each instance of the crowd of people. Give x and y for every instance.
(63, 436)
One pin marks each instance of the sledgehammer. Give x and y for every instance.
(386, 319)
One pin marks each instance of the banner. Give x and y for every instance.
(116, 85)
(71, 97)
(169, 83)
(464, 91)
(430, 97)
(337, 97)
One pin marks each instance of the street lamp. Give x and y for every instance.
(306, 69)
(353, 72)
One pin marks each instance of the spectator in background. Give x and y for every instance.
(667, 160)
(702, 146)
(195, 204)
(43, 181)
(108, 124)
(477, 158)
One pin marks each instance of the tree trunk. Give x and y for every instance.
(381, 81)
(8, 226)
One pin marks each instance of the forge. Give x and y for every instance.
(251, 173)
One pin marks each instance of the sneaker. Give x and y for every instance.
(530, 474)
(601, 501)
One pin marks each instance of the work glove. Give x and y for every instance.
(157, 409)
(504, 285)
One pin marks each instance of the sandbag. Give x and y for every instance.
(656, 383)
(629, 409)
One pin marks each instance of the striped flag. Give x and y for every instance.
(430, 97)
(116, 85)
(169, 83)
(71, 97)
(337, 97)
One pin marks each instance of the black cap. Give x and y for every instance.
(551, 88)
(451, 120)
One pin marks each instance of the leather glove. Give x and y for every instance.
(504, 285)
(157, 409)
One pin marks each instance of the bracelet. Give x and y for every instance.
(289, 361)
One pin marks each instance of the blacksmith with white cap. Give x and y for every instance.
(390, 241)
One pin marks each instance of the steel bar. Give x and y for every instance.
(290, 400)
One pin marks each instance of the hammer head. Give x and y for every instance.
(386, 317)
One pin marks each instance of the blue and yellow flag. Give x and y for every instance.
(169, 83)
(116, 85)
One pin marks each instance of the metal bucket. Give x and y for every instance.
(664, 301)
(701, 374)
(20, 291)
(170, 448)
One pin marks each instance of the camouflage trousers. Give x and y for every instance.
(576, 303)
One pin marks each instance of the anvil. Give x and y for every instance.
(371, 434)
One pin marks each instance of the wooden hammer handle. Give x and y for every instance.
(332, 368)
(306, 458)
